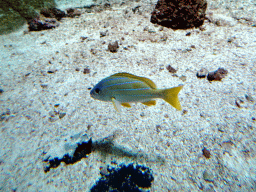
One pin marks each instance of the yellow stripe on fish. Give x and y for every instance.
(125, 88)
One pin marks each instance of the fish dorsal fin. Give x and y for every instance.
(149, 82)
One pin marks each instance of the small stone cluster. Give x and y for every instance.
(217, 75)
(49, 18)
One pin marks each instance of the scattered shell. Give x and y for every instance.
(202, 73)
(183, 78)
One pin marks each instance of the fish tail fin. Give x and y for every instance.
(171, 97)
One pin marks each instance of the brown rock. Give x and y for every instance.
(171, 69)
(206, 153)
(112, 47)
(38, 24)
(71, 12)
(53, 13)
(86, 70)
(217, 75)
(179, 14)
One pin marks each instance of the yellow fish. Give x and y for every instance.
(125, 88)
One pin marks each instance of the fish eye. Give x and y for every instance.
(97, 90)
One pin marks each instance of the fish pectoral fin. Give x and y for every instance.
(149, 103)
(116, 104)
(126, 105)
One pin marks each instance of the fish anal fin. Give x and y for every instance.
(116, 104)
(126, 105)
(149, 103)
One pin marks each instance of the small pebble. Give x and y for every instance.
(206, 153)
(112, 47)
(188, 33)
(73, 12)
(231, 39)
(50, 71)
(146, 28)
(183, 78)
(61, 115)
(249, 98)
(208, 176)
(151, 31)
(56, 105)
(240, 103)
(202, 73)
(44, 85)
(86, 70)
(103, 33)
(158, 128)
(53, 119)
(171, 69)
(93, 51)
(142, 114)
(184, 112)
(104, 170)
(89, 126)
(161, 28)
(83, 38)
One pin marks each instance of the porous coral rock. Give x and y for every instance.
(179, 14)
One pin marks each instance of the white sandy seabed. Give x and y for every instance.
(170, 142)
